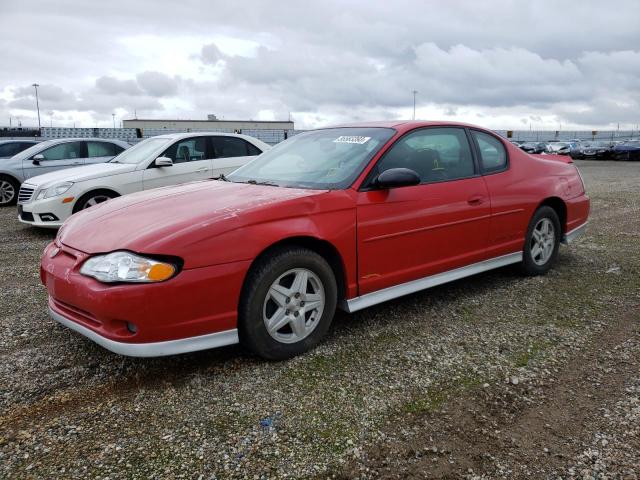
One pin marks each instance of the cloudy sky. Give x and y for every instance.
(501, 64)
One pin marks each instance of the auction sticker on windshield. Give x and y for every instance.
(352, 139)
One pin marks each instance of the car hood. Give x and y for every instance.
(167, 221)
(80, 174)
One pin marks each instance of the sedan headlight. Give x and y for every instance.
(127, 267)
(54, 191)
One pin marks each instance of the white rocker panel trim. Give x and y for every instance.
(373, 298)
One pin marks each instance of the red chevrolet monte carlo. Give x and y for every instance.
(339, 217)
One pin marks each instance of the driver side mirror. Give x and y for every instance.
(397, 177)
(36, 158)
(163, 162)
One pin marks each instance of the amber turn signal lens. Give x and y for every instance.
(67, 200)
(160, 271)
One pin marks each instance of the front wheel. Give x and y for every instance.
(542, 242)
(92, 198)
(287, 304)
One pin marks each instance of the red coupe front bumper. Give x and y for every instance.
(195, 310)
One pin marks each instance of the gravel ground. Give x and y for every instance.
(497, 376)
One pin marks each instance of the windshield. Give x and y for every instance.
(324, 159)
(140, 152)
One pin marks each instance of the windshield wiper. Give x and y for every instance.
(256, 182)
(222, 177)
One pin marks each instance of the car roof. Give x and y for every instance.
(177, 136)
(80, 139)
(20, 140)
(406, 125)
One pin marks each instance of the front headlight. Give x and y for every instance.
(127, 267)
(54, 191)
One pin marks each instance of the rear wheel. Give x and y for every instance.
(9, 188)
(542, 242)
(287, 304)
(93, 198)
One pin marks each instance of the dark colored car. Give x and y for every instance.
(629, 150)
(534, 147)
(592, 150)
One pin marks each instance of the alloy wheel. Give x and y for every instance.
(543, 241)
(95, 200)
(7, 192)
(293, 305)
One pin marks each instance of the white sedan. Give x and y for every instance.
(48, 200)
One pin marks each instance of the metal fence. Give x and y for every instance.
(556, 135)
(274, 136)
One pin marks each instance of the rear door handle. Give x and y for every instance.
(475, 200)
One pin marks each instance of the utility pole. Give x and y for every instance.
(415, 92)
(35, 85)
(113, 117)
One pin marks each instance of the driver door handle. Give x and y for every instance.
(475, 200)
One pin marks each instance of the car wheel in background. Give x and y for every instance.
(9, 189)
(287, 303)
(542, 242)
(93, 198)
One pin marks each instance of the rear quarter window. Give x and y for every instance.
(493, 154)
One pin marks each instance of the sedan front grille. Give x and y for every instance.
(25, 194)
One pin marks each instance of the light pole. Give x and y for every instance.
(414, 103)
(35, 85)
(113, 116)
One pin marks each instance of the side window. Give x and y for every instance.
(117, 149)
(252, 149)
(226, 147)
(100, 149)
(493, 155)
(435, 154)
(187, 150)
(64, 151)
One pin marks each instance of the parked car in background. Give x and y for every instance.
(9, 148)
(346, 216)
(629, 150)
(534, 147)
(599, 150)
(516, 143)
(559, 148)
(52, 155)
(48, 200)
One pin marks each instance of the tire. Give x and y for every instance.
(270, 295)
(93, 198)
(9, 188)
(541, 242)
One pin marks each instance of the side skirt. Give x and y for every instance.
(574, 234)
(373, 298)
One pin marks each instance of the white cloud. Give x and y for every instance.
(501, 64)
